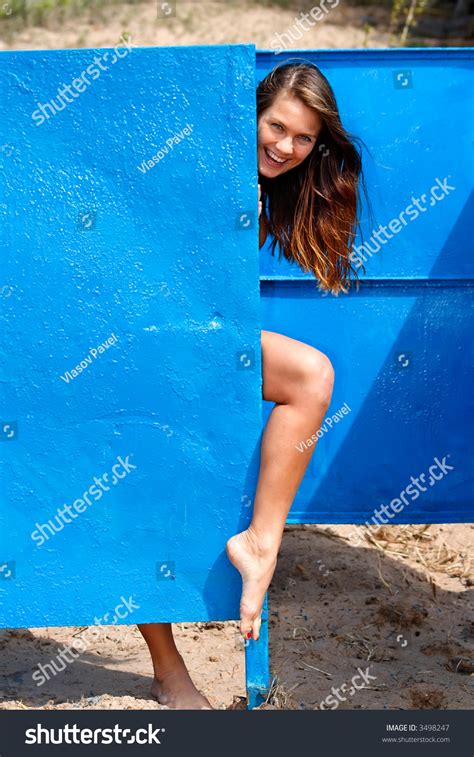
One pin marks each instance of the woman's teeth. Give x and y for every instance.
(274, 157)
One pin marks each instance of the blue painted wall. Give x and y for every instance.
(401, 346)
(150, 279)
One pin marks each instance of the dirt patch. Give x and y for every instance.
(382, 605)
(429, 699)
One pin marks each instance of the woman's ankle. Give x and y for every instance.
(263, 541)
(172, 665)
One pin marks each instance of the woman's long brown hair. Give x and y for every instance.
(313, 208)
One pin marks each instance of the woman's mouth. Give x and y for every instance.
(273, 159)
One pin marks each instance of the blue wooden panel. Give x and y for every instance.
(257, 663)
(163, 263)
(398, 352)
(401, 346)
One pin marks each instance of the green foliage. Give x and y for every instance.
(23, 12)
(404, 12)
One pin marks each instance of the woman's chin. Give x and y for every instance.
(267, 172)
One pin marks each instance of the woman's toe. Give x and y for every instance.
(256, 627)
(247, 619)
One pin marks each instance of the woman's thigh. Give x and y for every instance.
(288, 365)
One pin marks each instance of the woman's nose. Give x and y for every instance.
(285, 146)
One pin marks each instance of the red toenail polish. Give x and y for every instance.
(249, 635)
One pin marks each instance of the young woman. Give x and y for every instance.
(309, 174)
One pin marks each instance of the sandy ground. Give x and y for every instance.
(399, 604)
(202, 23)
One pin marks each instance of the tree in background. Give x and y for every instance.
(438, 18)
(410, 10)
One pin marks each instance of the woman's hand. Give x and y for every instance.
(259, 201)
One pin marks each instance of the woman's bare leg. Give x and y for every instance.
(172, 684)
(299, 379)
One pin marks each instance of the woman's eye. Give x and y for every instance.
(276, 126)
(305, 139)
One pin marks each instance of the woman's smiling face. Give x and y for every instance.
(287, 132)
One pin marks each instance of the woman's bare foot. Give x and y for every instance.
(176, 690)
(256, 564)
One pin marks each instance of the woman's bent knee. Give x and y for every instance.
(317, 377)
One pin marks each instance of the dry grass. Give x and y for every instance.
(279, 698)
(417, 542)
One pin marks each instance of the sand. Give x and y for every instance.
(204, 23)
